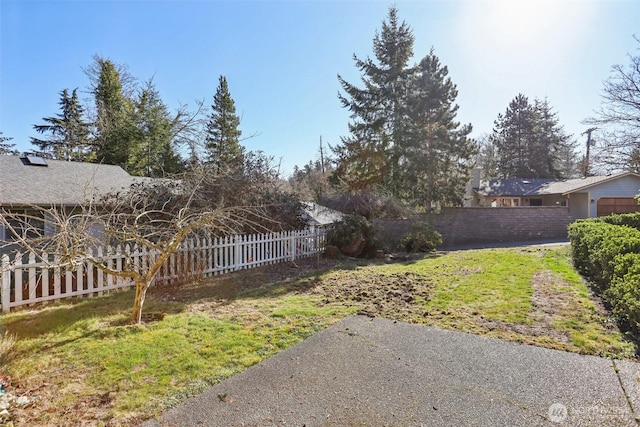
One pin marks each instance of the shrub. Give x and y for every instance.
(624, 291)
(580, 252)
(595, 245)
(421, 238)
(353, 236)
(630, 220)
(607, 251)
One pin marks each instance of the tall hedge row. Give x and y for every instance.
(630, 220)
(607, 252)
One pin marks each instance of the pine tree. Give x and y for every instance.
(437, 154)
(116, 133)
(5, 147)
(68, 132)
(512, 137)
(551, 144)
(487, 158)
(224, 152)
(529, 141)
(370, 155)
(403, 133)
(153, 154)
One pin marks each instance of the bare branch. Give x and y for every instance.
(154, 216)
(619, 117)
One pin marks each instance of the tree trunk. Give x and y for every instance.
(141, 292)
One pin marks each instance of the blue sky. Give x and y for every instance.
(281, 58)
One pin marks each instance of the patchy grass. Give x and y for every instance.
(81, 363)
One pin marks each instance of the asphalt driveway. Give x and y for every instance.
(378, 372)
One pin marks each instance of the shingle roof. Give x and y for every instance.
(321, 215)
(573, 185)
(510, 187)
(537, 187)
(58, 183)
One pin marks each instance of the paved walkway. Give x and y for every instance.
(377, 372)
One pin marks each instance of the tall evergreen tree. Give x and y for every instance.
(224, 152)
(437, 155)
(371, 154)
(552, 148)
(68, 132)
(403, 133)
(153, 154)
(116, 133)
(5, 147)
(530, 142)
(512, 135)
(487, 159)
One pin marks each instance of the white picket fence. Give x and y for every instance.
(26, 281)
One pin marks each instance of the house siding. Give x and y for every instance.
(626, 186)
(579, 205)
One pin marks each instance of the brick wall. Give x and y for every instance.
(461, 226)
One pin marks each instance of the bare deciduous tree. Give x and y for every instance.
(618, 119)
(156, 215)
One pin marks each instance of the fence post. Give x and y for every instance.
(44, 276)
(237, 254)
(88, 270)
(57, 274)
(17, 277)
(5, 292)
(293, 245)
(100, 273)
(32, 276)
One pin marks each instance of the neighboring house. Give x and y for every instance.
(320, 216)
(28, 181)
(585, 197)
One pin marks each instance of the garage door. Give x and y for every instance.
(617, 205)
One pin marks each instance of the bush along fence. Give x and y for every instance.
(25, 281)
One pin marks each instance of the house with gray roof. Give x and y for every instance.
(585, 197)
(316, 215)
(29, 181)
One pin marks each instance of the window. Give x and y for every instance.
(28, 224)
(31, 160)
(508, 202)
(535, 202)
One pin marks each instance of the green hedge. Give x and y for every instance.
(607, 252)
(595, 245)
(624, 291)
(630, 220)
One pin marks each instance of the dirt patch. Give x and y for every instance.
(393, 295)
(397, 296)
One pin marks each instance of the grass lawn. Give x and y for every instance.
(80, 362)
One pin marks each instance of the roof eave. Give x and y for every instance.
(610, 178)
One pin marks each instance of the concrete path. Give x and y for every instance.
(377, 372)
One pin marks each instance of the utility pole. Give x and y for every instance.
(589, 143)
(321, 157)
